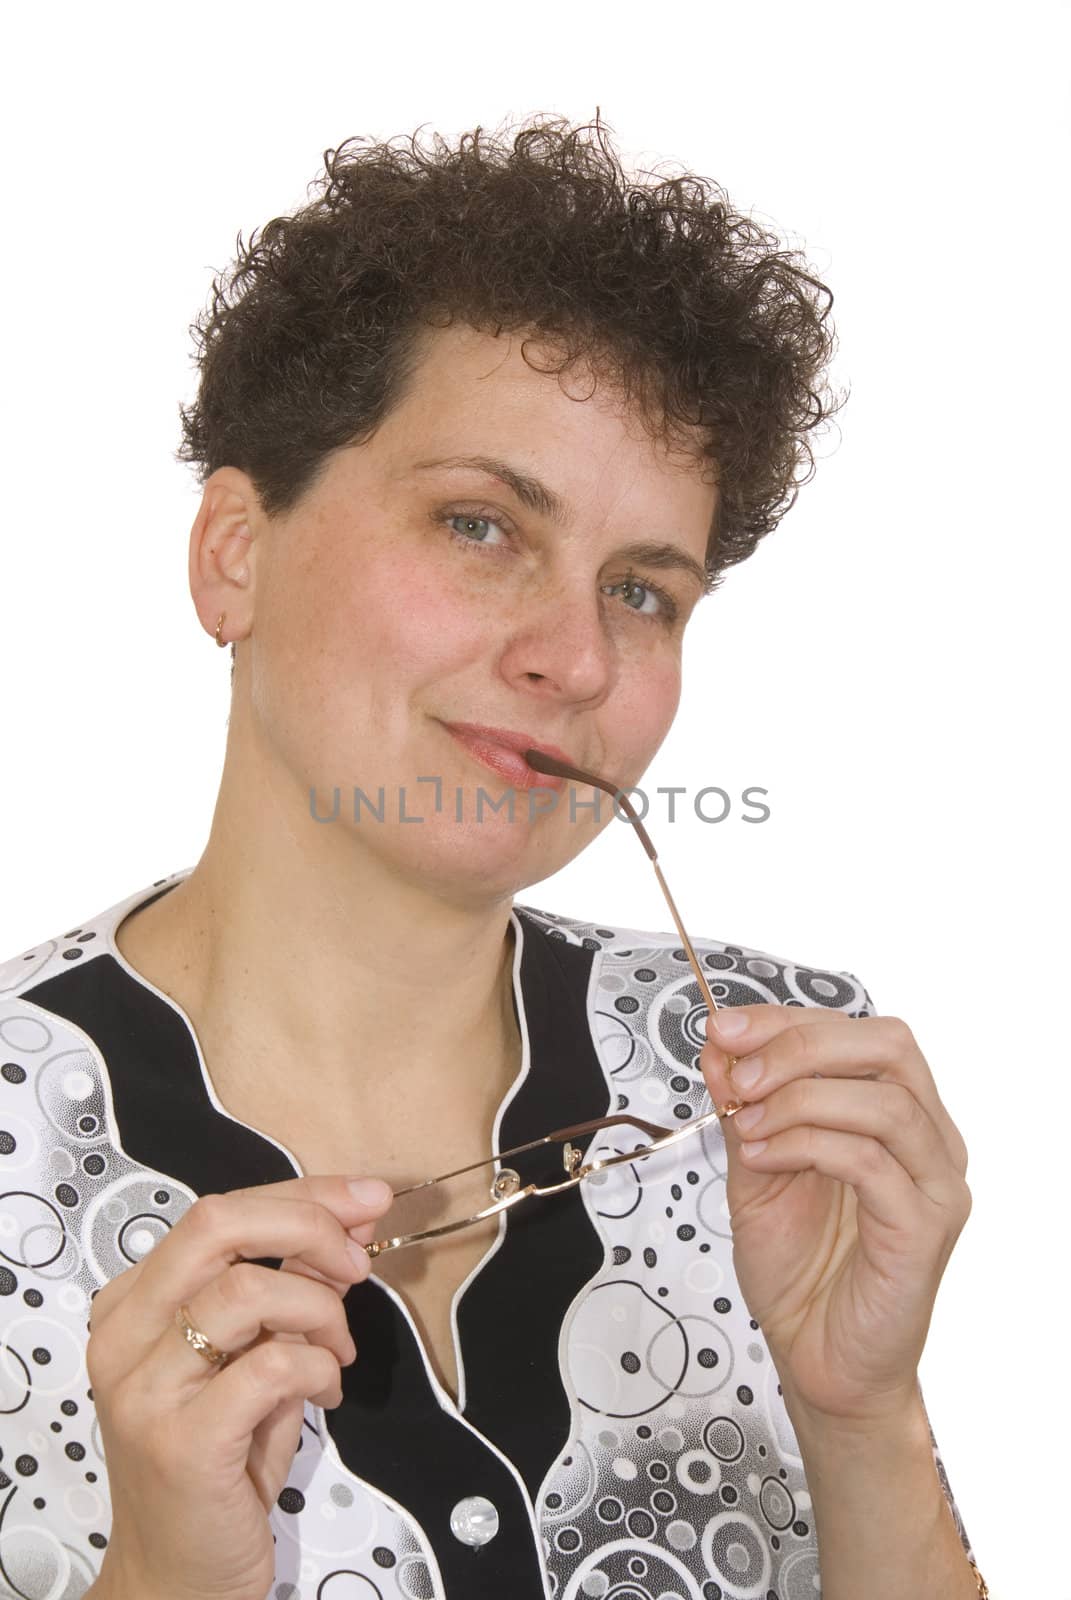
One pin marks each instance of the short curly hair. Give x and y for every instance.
(700, 319)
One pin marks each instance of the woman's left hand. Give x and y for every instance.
(843, 1224)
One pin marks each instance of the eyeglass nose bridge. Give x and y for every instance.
(507, 1180)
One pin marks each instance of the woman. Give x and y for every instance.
(476, 429)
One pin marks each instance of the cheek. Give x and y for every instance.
(646, 704)
(394, 611)
(419, 625)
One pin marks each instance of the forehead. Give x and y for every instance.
(468, 388)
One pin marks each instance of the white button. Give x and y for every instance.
(474, 1521)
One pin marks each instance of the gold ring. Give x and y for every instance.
(194, 1337)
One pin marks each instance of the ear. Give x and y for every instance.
(222, 555)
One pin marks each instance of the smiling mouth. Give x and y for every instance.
(506, 762)
(525, 770)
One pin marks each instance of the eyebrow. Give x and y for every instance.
(534, 494)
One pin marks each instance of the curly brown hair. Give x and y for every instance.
(699, 318)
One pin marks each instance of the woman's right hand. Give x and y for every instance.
(196, 1454)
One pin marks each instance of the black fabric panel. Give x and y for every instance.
(510, 1316)
(390, 1429)
(165, 1118)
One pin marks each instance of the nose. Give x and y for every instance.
(559, 642)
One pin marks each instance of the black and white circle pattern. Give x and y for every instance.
(682, 1479)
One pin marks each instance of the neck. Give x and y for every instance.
(303, 948)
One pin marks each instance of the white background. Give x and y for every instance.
(888, 665)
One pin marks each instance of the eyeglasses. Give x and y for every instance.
(507, 1189)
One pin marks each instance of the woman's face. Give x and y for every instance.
(400, 596)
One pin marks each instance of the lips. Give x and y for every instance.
(500, 750)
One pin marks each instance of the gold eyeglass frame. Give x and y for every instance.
(507, 1190)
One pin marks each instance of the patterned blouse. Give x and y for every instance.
(619, 1429)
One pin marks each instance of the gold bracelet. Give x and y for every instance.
(983, 1587)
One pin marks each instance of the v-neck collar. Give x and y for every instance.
(513, 1415)
(110, 922)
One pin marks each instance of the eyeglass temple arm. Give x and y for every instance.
(559, 769)
(377, 1246)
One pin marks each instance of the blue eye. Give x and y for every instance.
(666, 611)
(470, 519)
(630, 586)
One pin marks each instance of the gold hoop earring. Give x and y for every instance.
(219, 629)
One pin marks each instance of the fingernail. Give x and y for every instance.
(752, 1116)
(730, 1024)
(371, 1191)
(746, 1074)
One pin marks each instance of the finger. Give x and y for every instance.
(363, 1234)
(301, 1269)
(221, 1229)
(236, 1309)
(863, 1047)
(734, 1032)
(353, 1200)
(762, 1022)
(221, 1419)
(110, 1295)
(887, 1113)
(881, 1183)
